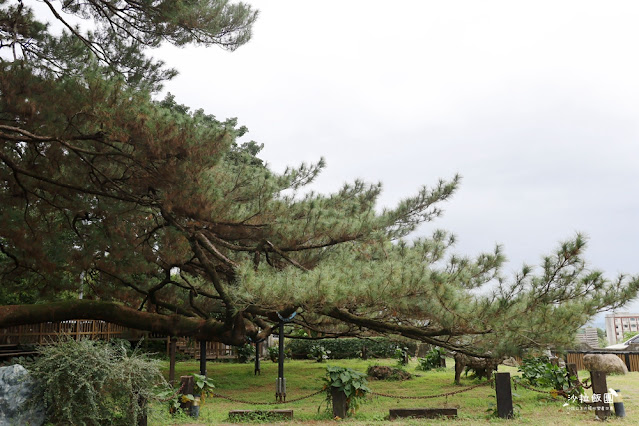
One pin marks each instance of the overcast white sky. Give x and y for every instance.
(535, 104)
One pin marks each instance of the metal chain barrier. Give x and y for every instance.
(242, 401)
(433, 396)
(554, 391)
(177, 392)
(516, 383)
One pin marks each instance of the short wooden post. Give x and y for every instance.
(572, 372)
(143, 419)
(626, 358)
(504, 395)
(364, 353)
(172, 350)
(442, 361)
(340, 406)
(599, 388)
(187, 383)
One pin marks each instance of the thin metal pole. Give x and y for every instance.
(280, 365)
(280, 384)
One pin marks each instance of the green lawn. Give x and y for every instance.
(304, 377)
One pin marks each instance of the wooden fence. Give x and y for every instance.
(214, 350)
(49, 332)
(631, 359)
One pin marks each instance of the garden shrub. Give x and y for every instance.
(401, 356)
(94, 382)
(245, 353)
(351, 382)
(319, 353)
(433, 359)
(376, 347)
(539, 371)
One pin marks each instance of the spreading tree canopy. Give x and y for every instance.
(164, 222)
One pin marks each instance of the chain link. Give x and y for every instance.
(433, 396)
(563, 392)
(242, 401)
(177, 392)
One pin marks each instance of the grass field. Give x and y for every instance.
(304, 377)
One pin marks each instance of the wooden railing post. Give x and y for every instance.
(504, 396)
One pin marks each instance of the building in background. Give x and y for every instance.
(618, 323)
(588, 336)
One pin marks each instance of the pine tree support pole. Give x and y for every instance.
(203, 357)
(257, 358)
(504, 395)
(280, 384)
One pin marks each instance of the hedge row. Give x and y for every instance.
(376, 347)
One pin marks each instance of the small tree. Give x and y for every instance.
(93, 382)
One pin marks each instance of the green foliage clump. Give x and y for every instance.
(432, 360)
(401, 355)
(319, 353)
(245, 353)
(273, 353)
(538, 371)
(352, 383)
(346, 348)
(94, 383)
(202, 387)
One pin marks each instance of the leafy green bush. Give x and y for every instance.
(351, 382)
(376, 347)
(319, 353)
(401, 356)
(94, 383)
(433, 359)
(273, 353)
(245, 353)
(539, 371)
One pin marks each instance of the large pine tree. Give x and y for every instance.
(166, 224)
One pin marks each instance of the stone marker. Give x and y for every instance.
(16, 388)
